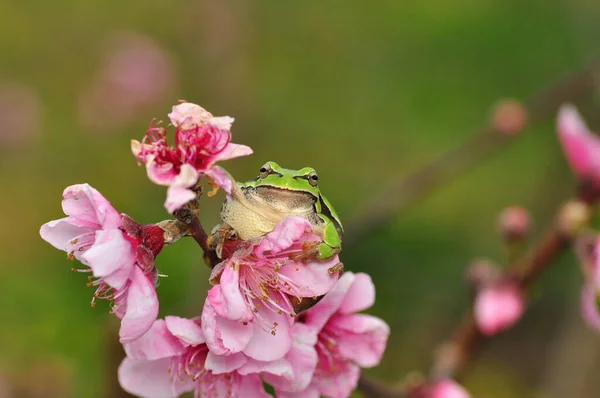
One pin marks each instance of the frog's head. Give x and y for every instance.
(274, 176)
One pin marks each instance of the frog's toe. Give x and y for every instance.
(338, 268)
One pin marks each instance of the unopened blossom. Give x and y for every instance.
(448, 388)
(251, 307)
(121, 263)
(580, 145)
(200, 140)
(514, 223)
(346, 341)
(172, 358)
(498, 307)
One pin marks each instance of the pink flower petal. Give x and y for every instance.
(187, 330)
(251, 386)
(310, 392)
(448, 389)
(161, 174)
(151, 379)
(60, 232)
(224, 337)
(581, 147)
(285, 234)
(232, 151)
(221, 178)
(360, 296)
(83, 202)
(589, 307)
(226, 299)
(224, 363)
(187, 115)
(142, 307)
(303, 360)
(156, 343)
(111, 257)
(264, 346)
(313, 278)
(363, 340)
(338, 384)
(318, 315)
(178, 192)
(222, 122)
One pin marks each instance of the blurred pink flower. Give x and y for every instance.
(93, 233)
(136, 74)
(20, 114)
(498, 307)
(448, 389)
(346, 341)
(201, 140)
(581, 147)
(514, 223)
(590, 301)
(172, 358)
(588, 250)
(251, 307)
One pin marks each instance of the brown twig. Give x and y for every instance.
(406, 191)
(197, 232)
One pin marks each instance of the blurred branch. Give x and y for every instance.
(451, 356)
(407, 190)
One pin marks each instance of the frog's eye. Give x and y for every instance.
(312, 178)
(265, 170)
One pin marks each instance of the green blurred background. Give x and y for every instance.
(362, 91)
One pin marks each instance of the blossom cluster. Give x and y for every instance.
(272, 315)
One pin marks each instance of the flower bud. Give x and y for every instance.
(573, 218)
(481, 272)
(514, 223)
(448, 388)
(509, 117)
(498, 307)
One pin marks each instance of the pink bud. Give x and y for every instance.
(509, 117)
(498, 307)
(448, 389)
(514, 223)
(581, 147)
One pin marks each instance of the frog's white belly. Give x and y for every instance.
(250, 223)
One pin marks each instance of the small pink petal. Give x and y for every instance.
(320, 313)
(221, 178)
(313, 278)
(224, 337)
(142, 307)
(363, 340)
(84, 202)
(187, 115)
(360, 296)
(581, 147)
(251, 386)
(111, 257)
(222, 122)
(339, 384)
(226, 298)
(232, 151)
(163, 174)
(179, 193)
(151, 379)
(156, 343)
(60, 232)
(265, 346)
(589, 307)
(284, 235)
(448, 389)
(303, 360)
(498, 308)
(224, 363)
(187, 330)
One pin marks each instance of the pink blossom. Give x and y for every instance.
(172, 358)
(514, 223)
(580, 145)
(251, 307)
(590, 312)
(346, 341)
(122, 264)
(498, 307)
(201, 140)
(448, 389)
